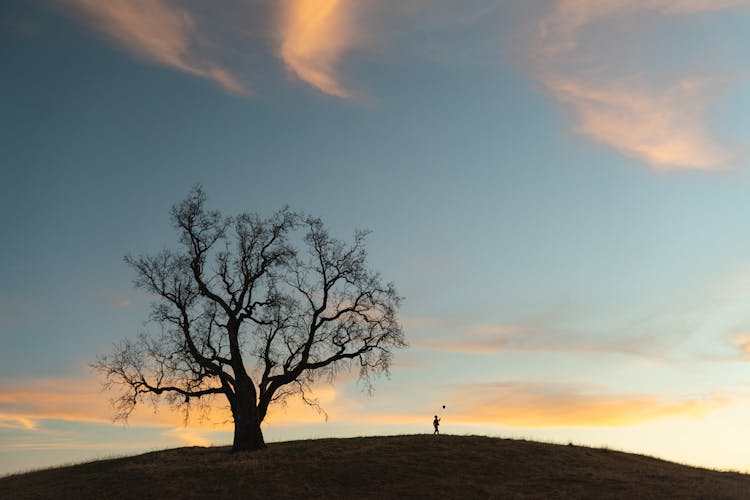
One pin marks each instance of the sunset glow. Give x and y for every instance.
(557, 189)
(315, 34)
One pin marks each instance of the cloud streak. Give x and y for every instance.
(524, 404)
(38, 415)
(157, 32)
(533, 404)
(665, 129)
(16, 422)
(315, 34)
(24, 403)
(625, 105)
(477, 339)
(460, 336)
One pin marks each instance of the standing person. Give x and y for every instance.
(436, 424)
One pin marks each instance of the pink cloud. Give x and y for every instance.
(462, 336)
(474, 338)
(315, 34)
(524, 404)
(658, 119)
(80, 399)
(666, 129)
(156, 31)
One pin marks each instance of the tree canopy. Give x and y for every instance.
(255, 310)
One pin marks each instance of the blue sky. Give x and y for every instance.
(558, 189)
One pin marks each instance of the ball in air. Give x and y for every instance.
(443, 406)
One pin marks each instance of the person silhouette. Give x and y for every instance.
(436, 424)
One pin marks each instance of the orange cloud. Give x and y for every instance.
(80, 399)
(536, 405)
(158, 32)
(556, 405)
(475, 339)
(665, 129)
(16, 422)
(460, 336)
(314, 36)
(63, 398)
(663, 125)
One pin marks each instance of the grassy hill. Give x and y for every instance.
(418, 466)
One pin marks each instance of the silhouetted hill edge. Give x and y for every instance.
(414, 466)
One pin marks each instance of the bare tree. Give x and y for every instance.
(255, 310)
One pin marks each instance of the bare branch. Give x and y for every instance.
(254, 309)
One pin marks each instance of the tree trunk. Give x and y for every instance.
(247, 433)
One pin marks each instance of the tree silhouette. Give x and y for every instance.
(255, 310)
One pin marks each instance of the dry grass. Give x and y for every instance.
(419, 466)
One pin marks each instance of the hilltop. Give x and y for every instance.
(416, 466)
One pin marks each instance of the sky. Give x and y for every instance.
(558, 188)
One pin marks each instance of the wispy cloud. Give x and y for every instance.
(542, 335)
(16, 422)
(525, 404)
(630, 106)
(64, 399)
(535, 404)
(456, 336)
(157, 31)
(315, 34)
(664, 128)
(23, 403)
(74, 399)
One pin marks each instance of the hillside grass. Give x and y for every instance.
(415, 466)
